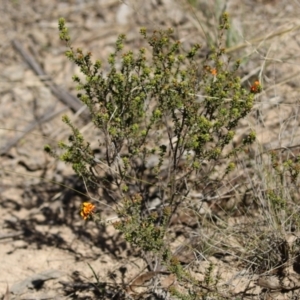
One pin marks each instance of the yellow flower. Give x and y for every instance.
(87, 209)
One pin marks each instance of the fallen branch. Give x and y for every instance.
(71, 101)
(45, 118)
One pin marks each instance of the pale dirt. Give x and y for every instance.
(50, 236)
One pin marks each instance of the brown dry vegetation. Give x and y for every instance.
(48, 252)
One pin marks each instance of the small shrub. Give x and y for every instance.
(166, 122)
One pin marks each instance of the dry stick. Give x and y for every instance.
(47, 117)
(141, 279)
(10, 235)
(64, 96)
(262, 38)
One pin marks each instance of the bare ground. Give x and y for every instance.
(46, 250)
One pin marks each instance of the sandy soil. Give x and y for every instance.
(46, 250)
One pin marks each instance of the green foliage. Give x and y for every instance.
(162, 102)
(285, 184)
(179, 295)
(136, 100)
(289, 168)
(142, 231)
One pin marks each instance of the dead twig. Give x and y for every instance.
(10, 235)
(71, 101)
(64, 96)
(45, 118)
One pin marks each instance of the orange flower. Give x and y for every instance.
(87, 209)
(213, 71)
(256, 87)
